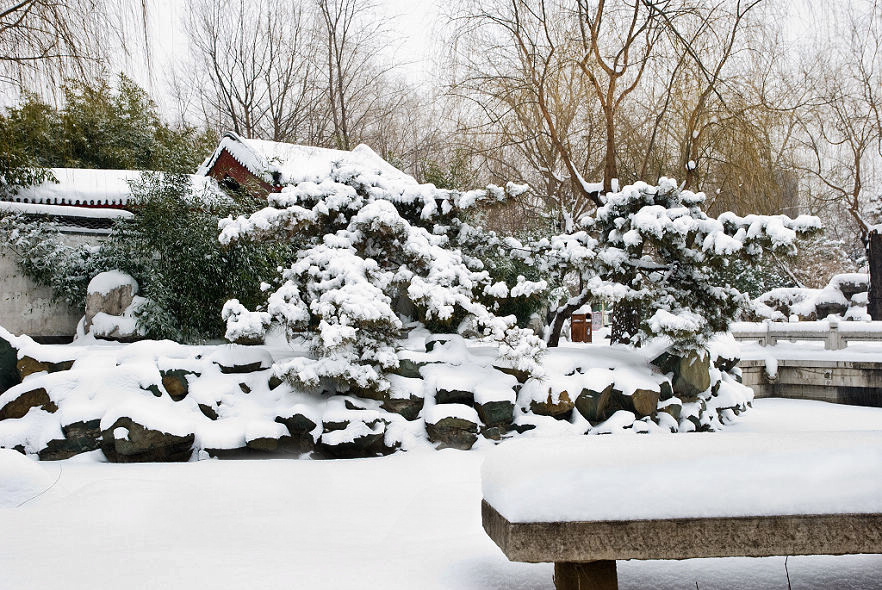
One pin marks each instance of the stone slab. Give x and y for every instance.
(815, 534)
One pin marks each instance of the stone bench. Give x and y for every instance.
(585, 504)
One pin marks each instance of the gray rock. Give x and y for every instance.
(594, 405)
(726, 364)
(144, 444)
(295, 445)
(436, 340)
(238, 369)
(409, 407)
(79, 437)
(114, 302)
(521, 376)
(496, 413)
(691, 372)
(494, 432)
(453, 433)
(830, 308)
(454, 396)
(366, 445)
(297, 423)
(408, 368)
(851, 288)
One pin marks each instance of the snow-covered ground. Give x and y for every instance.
(411, 520)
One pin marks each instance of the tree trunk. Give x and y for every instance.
(874, 255)
(610, 170)
(561, 315)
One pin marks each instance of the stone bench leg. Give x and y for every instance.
(592, 575)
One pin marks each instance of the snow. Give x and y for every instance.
(763, 474)
(63, 210)
(437, 413)
(21, 479)
(812, 351)
(105, 282)
(411, 520)
(285, 163)
(91, 188)
(486, 383)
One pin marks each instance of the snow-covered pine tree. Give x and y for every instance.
(653, 252)
(367, 237)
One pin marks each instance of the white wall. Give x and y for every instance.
(27, 308)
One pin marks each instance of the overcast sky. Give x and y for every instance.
(415, 26)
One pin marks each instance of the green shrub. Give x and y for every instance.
(169, 245)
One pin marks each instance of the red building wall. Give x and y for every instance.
(226, 166)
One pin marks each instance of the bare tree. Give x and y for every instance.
(355, 73)
(49, 39)
(257, 59)
(842, 137)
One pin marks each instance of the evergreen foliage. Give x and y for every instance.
(369, 239)
(658, 257)
(99, 126)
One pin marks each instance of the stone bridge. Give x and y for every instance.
(857, 383)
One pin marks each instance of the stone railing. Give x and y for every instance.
(835, 335)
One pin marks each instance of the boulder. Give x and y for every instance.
(561, 409)
(599, 406)
(691, 372)
(493, 432)
(454, 396)
(358, 439)
(595, 405)
(644, 402)
(28, 366)
(9, 375)
(79, 437)
(297, 423)
(452, 426)
(851, 284)
(672, 407)
(22, 404)
(436, 340)
(496, 413)
(126, 441)
(300, 430)
(830, 308)
(409, 407)
(521, 376)
(408, 368)
(726, 364)
(208, 411)
(283, 444)
(175, 383)
(238, 359)
(109, 292)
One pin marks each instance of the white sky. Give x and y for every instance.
(414, 24)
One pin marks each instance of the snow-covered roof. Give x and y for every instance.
(285, 163)
(86, 188)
